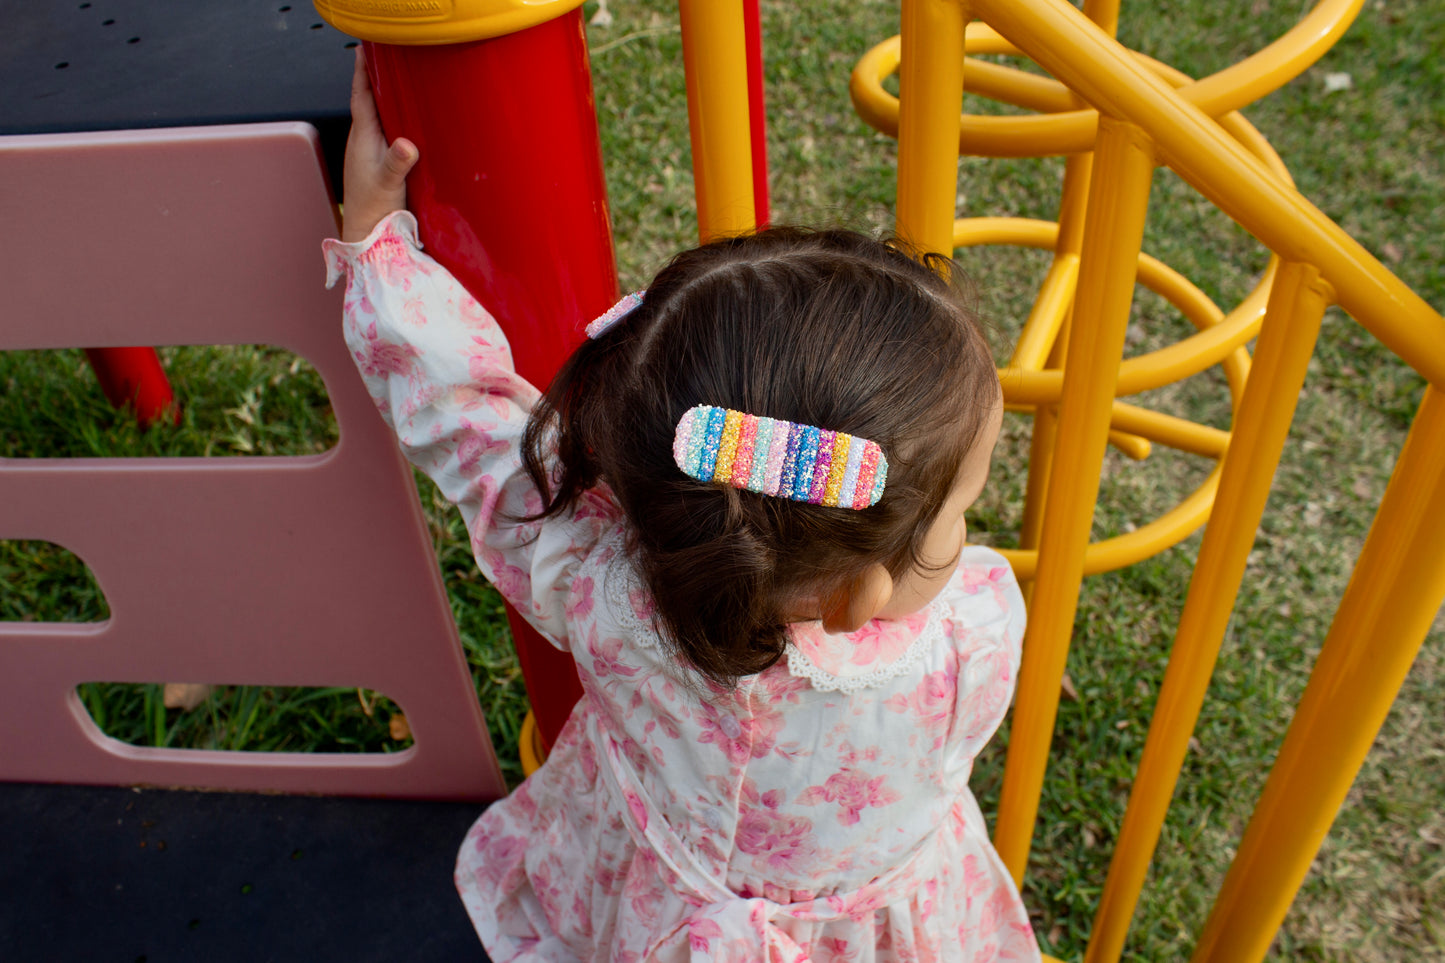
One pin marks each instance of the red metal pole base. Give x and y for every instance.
(134, 376)
(509, 196)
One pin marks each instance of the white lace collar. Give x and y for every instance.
(879, 652)
(876, 654)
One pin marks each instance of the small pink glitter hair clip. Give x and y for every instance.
(598, 327)
(772, 457)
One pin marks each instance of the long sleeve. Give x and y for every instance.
(440, 371)
(987, 627)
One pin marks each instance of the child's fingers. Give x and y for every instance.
(401, 156)
(363, 105)
(374, 173)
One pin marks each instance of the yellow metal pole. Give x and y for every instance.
(1046, 319)
(1073, 210)
(1105, 13)
(1041, 460)
(1292, 321)
(1387, 609)
(930, 93)
(714, 56)
(1118, 202)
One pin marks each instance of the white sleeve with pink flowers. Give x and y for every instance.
(986, 622)
(440, 371)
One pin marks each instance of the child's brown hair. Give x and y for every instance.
(827, 328)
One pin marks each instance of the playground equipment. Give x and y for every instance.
(220, 570)
(1119, 116)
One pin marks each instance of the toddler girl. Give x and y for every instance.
(740, 507)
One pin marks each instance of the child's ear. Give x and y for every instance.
(859, 601)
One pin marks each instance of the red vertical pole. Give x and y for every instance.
(134, 376)
(510, 197)
(757, 111)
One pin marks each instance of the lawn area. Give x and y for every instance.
(1363, 133)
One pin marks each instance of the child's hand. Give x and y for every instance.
(374, 175)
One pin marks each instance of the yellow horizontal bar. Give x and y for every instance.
(1176, 433)
(1070, 132)
(1155, 426)
(984, 39)
(1021, 231)
(1169, 529)
(1132, 446)
(1146, 372)
(1009, 85)
(1153, 273)
(1189, 356)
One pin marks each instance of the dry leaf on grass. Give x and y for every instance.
(400, 728)
(184, 695)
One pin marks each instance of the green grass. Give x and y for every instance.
(250, 718)
(1369, 156)
(237, 401)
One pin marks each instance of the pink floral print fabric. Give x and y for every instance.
(819, 810)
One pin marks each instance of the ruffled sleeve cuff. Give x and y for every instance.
(398, 227)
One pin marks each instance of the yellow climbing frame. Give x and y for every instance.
(1118, 115)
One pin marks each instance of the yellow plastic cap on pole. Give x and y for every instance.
(438, 21)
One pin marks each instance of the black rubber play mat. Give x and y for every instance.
(156, 876)
(78, 65)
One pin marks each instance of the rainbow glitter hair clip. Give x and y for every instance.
(779, 458)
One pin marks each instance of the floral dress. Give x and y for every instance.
(818, 810)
